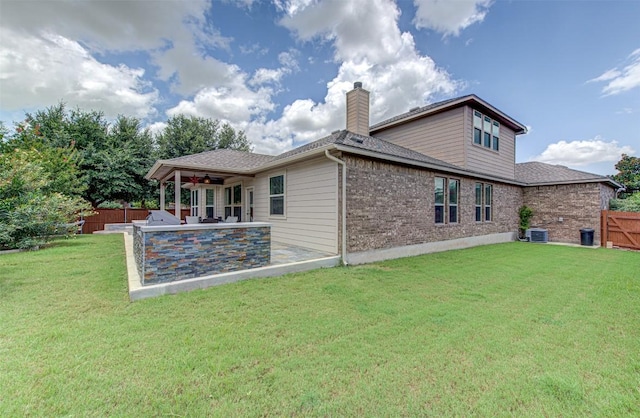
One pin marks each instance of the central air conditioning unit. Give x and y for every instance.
(537, 235)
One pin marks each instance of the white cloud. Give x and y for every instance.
(59, 54)
(157, 127)
(190, 71)
(236, 105)
(622, 78)
(365, 37)
(291, 7)
(371, 49)
(108, 25)
(174, 34)
(449, 17)
(253, 49)
(40, 71)
(273, 76)
(581, 153)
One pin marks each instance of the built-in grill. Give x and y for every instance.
(161, 217)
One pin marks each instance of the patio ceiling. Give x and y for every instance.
(167, 174)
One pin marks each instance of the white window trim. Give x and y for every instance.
(195, 208)
(483, 202)
(477, 206)
(232, 204)
(284, 195)
(492, 121)
(446, 202)
(457, 204)
(489, 205)
(204, 200)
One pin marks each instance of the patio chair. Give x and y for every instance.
(80, 224)
(231, 219)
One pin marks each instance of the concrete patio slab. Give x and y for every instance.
(285, 259)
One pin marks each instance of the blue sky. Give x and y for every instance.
(570, 70)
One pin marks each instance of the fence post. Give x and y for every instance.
(604, 228)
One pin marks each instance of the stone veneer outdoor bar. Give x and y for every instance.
(169, 253)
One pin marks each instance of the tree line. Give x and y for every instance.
(59, 163)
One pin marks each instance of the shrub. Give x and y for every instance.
(630, 204)
(30, 215)
(525, 213)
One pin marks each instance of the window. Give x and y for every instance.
(486, 131)
(439, 199)
(477, 127)
(233, 201)
(488, 200)
(484, 202)
(453, 201)
(194, 203)
(479, 189)
(447, 195)
(276, 195)
(208, 203)
(496, 136)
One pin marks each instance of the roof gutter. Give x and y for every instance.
(344, 204)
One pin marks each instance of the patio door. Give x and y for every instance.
(249, 204)
(233, 201)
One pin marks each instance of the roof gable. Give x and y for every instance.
(222, 159)
(366, 143)
(434, 108)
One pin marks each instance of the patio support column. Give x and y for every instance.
(176, 182)
(163, 186)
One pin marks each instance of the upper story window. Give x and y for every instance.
(447, 195)
(486, 131)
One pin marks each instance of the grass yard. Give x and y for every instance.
(504, 330)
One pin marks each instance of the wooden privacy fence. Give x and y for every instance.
(117, 216)
(622, 229)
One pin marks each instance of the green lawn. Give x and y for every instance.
(504, 330)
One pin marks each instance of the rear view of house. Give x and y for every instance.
(436, 177)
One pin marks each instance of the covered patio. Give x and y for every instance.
(205, 174)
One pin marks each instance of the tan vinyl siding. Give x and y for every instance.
(483, 160)
(448, 136)
(439, 136)
(311, 205)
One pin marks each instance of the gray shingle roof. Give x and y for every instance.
(222, 159)
(366, 143)
(535, 172)
(418, 110)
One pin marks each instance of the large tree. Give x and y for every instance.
(186, 135)
(628, 173)
(116, 170)
(111, 158)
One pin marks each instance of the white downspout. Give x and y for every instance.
(344, 204)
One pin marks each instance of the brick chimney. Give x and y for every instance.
(358, 110)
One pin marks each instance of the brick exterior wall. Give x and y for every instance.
(579, 206)
(167, 256)
(390, 205)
